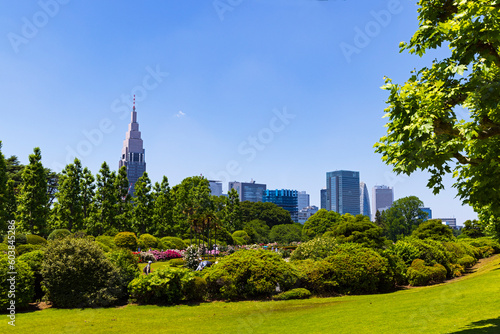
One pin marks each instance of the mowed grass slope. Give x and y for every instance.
(467, 305)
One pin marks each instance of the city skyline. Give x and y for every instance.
(280, 92)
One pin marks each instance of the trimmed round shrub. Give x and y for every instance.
(467, 261)
(243, 235)
(148, 241)
(26, 248)
(24, 282)
(126, 240)
(77, 273)
(299, 293)
(106, 240)
(195, 289)
(431, 251)
(60, 233)
(34, 260)
(163, 286)
(35, 239)
(176, 262)
(419, 274)
(352, 269)
(238, 241)
(250, 274)
(173, 243)
(316, 249)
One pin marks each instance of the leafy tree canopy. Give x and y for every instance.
(319, 223)
(433, 229)
(445, 118)
(267, 212)
(403, 217)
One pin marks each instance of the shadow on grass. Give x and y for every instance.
(482, 326)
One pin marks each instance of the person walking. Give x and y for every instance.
(147, 268)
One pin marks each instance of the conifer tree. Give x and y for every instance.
(143, 205)
(68, 209)
(103, 217)
(162, 209)
(124, 209)
(33, 206)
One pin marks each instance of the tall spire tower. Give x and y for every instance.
(133, 153)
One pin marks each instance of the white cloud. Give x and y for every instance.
(180, 114)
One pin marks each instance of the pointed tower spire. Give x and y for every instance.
(133, 153)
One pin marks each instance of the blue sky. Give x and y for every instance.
(279, 91)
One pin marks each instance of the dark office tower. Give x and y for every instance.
(133, 154)
(248, 191)
(342, 187)
(324, 198)
(284, 198)
(382, 199)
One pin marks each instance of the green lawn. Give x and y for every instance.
(467, 305)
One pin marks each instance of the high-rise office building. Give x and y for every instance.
(303, 200)
(382, 198)
(364, 199)
(133, 153)
(284, 198)
(428, 211)
(215, 187)
(306, 213)
(342, 187)
(323, 198)
(248, 191)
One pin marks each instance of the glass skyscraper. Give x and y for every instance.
(364, 200)
(284, 198)
(248, 191)
(382, 199)
(343, 195)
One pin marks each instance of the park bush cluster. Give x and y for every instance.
(73, 270)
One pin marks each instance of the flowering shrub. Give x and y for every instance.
(212, 252)
(145, 256)
(165, 255)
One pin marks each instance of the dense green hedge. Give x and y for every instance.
(420, 274)
(127, 266)
(35, 239)
(250, 274)
(166, 286)
(106, 240)
(299, 293)
(23, 286)
(173, 243)
(126, 240)
(316, 249)
(147, 241)
(76, 273)
(59, 234)
(352, 269)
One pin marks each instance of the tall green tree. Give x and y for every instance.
(319, 223)
(473, 229)
(403, 217)
(68, 211)
(446, 119)
(123, 207)
(33, 208)
(14, 170)
(10, 200)
(143, 205)
(87, 193)
(162, 209)
(104, 213)
(3, 192)
(268, 212)
(192, 199)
